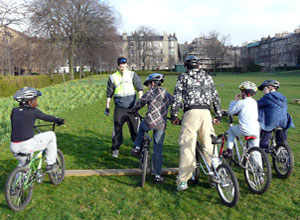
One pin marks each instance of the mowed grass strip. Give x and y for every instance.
(86, 141)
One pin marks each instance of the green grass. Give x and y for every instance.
(86, 141)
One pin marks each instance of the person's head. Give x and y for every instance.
(122, 63)
(191, 62)
(269, 85)
(27, 96)
(248, 89)
(154, 79)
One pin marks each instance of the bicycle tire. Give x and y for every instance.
(57, 176)
(283, 163)
(257, 177)
(196, 174)
(228, 187)
(22, 195)
(144, 167)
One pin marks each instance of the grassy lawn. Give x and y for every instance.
(86, 141)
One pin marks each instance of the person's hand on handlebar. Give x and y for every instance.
(175, 120)
(216, 121)
(61, 121)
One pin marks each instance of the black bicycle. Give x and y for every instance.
(144, 155)
(282, 156)
(20, 182)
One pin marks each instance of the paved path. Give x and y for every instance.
(115, 172)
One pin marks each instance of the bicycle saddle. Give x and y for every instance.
(250, 138)
(215, 140)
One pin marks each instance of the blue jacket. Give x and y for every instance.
(272, 112)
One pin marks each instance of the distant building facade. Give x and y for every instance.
(162, 52)
(282, 50)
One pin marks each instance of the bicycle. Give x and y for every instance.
(144, 155)
(254, 161)
(20, 182)
(221, 175)
(282, 156)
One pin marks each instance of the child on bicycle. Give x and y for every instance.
(248, 117)
(158, 101)
(23, 140)
(272, 112)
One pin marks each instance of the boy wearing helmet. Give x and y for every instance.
(121, 85)
(158, 100)
(196, 91)
(248, 117)
(272, 109)
(23, 140)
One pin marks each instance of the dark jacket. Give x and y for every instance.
(197, 91)
(272, 112)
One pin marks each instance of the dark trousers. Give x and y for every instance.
(120, 117)
(265, 137)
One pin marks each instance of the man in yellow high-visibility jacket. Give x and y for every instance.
(121, 85)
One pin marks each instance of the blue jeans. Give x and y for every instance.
(265, 136)
(158, 140)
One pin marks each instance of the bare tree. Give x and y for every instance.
(12, 12)
(214, 46)
(144, 48)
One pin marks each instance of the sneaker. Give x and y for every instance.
(51, 168)
(159, 179)
(227, 153)
(182, 186)
(135, 151)
(115, 153)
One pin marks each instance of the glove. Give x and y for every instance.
(61, 121)
(175, 120)
(107, 111)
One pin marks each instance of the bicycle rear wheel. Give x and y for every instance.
(58, 175)
(257, 170)
(19, 188)
(144, 160)
(283, 161)
(227, 186)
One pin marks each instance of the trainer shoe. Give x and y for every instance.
(51, 168)
(115, 153)
(227, 153)
(135, 151)
(182, 186)
(159, 179)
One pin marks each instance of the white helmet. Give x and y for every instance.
(248, 87)
(26, 94)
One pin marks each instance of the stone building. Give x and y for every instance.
(280, 51)
(151, 52)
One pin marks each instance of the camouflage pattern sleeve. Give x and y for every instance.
(177, 96)
(216, 101)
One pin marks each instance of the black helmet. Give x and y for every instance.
(154, 77)
(269, 82)
(121, 60)
(26, 94)
(191, 62)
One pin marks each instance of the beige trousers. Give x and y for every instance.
(194, 120)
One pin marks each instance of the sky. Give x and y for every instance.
(242, 20)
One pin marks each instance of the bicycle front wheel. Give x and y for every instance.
(283, 161)
(18, 188)
(145, 155)
(227, 185)
(257, 170)
(58, 175)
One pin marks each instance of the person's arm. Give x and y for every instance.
(262, 102)
(138, 84)
(140, 103)
(216, 101)
(235, 107)
(40, 115)
(177, 100)
(110, 89)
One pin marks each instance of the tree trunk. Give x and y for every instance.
(71, 59)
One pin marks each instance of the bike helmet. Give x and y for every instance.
(121, 60)
(191, 62)
(26, 94)
(248, 87)
(269, 82)
(155, 77)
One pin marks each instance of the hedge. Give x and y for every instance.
(10, 84)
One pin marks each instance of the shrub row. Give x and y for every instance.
(10, 84)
